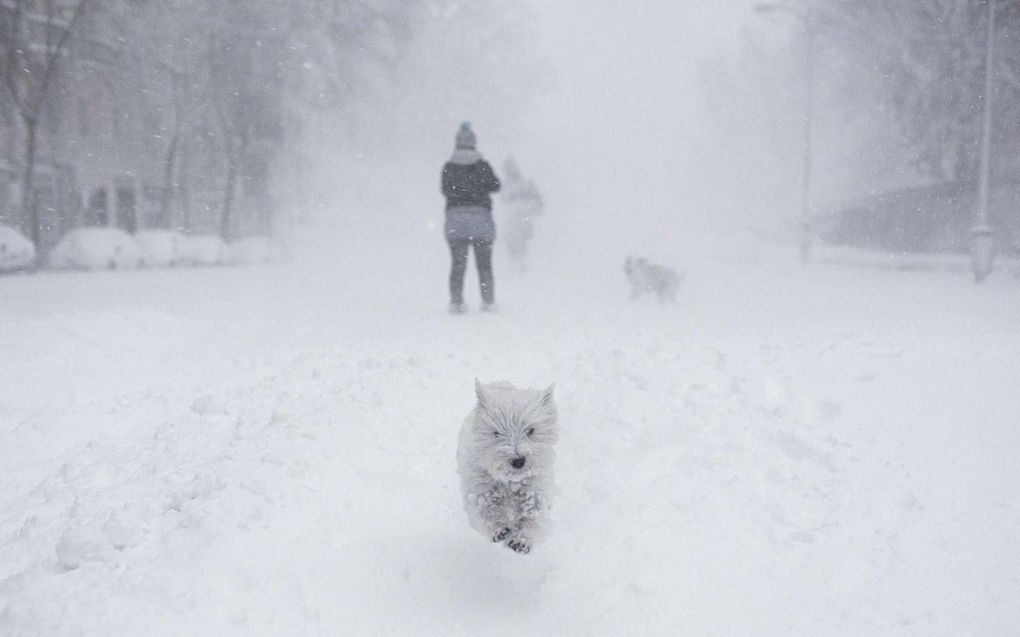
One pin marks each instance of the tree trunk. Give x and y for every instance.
(228, 199)
(183, 185)
(237, 151)
(28, 201)
(169, 160)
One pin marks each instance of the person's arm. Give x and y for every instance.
(447, 186)
(493, 181)
(536, 198)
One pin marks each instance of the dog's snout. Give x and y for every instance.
(517, 462)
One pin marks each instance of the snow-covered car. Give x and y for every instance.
(160, 248)
(96, 249)
(17, 252)
(254, 250)
(204, 249)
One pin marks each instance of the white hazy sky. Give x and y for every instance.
(613, 138)
(609, 141)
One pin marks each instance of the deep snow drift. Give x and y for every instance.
(821, 451)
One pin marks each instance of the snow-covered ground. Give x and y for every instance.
(270, 450)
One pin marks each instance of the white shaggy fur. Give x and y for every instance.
(505, 503)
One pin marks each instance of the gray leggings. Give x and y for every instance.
(483, 259)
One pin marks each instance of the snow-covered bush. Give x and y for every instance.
(96, 249)
(160, 248)
(204, 249)
(16, 251)
(254, 250)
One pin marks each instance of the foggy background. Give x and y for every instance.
(643, 127)
(605, 110)
(230, 385)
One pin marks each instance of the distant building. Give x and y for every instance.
(110, 151)
(94, 165)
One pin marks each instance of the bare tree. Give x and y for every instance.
(163, 35)
(30, 69)
(245, 58)
(930, 54)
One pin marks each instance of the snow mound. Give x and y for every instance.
(96, 249)
(78, 547)
(204, 249)
(16, 251)
(254, 250)
(160, 248)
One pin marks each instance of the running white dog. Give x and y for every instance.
(645, 276)
(505, 460)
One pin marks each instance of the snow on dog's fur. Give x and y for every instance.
(505, 459)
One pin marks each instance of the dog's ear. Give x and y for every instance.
(547, 395)
(481, 393)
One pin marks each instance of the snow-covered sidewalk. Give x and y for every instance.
(826, 451)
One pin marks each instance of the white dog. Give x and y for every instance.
(505, 460)
(645, 276)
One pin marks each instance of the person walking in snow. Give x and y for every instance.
(523, 204)
(468, 183)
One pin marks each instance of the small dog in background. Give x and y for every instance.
(645, 276)
(505, 460)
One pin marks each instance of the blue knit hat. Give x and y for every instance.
(466, 136)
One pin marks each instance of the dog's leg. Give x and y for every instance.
(530, 507)
(494, 513)
(531, 503)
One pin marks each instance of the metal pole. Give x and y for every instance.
(982, 254)
(807, 21)
(809, 77)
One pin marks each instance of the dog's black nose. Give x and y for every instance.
(517, 462)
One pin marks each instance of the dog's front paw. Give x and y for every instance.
(519, 546)
(501, 534)
(531, 506)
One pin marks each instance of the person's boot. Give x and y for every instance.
(489, 306)
(457, 307)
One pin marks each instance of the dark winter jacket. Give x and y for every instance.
(468, 185)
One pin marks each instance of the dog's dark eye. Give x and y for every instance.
(496, 434)
(530, 431)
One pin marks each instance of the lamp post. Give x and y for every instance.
(807, 23)
(982, 236)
